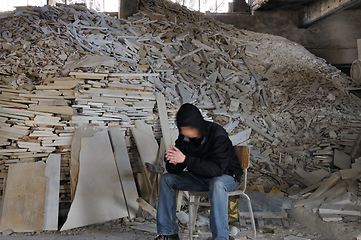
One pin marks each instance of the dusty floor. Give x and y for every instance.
(117, 230)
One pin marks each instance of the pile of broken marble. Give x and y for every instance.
(336, 196)
(267, 92)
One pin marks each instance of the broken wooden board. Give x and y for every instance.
(295, 176)
(52, 172)
(132, 75)
(326, 185)
(312, 177)
(90, 61)
(318, 175)
(160, 157)
(309, 189)
(314, 87)
(349, 173)
(146, 144)
(343, 199)
(58, 85)
(88, 75)
(141, 125)
(24, 202)
(178, 58)
(252, 125)
(148, 150)
(99, 196)
(240, 137)
(174, 134)
(125, 170)
(355, 151)
(147, 207)
(164, 122)
(314, 201)
(64, 110)
(328, 208)
(337, 190)
(330, 217)
(341, 159)
(81, 132)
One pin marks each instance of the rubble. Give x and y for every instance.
(336, 196)
(67, 66)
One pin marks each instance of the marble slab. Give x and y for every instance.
(52, 172)
(125, 170)
(24, 202)
(99, 196)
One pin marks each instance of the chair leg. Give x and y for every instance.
(251, 213)
(179, 198)
(193, 209)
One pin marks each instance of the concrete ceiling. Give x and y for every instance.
(292, 4)
(310, 10)
(356, 6)
(284, 4)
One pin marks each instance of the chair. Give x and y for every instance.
(194, 197)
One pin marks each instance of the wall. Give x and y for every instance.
(333, 38)
(128, 7)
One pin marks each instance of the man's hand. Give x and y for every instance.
(174, 155)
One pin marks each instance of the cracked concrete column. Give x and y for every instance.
(127, 8)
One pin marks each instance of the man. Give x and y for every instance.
(204, 149)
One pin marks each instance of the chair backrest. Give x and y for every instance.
(243, 153)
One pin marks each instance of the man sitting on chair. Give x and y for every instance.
(204, 149)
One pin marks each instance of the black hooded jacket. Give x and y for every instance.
(210, 156)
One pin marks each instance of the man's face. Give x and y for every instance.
(189, 132)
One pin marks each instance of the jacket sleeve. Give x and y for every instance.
(171, 168)
(216, 162)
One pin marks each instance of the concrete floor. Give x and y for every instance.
(303, 223)
(116, 230)
(86, 234)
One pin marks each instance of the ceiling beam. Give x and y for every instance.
(319, 9)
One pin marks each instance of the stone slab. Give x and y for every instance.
(25, 195)
(52, 172)
(125, 170)
(99, 196)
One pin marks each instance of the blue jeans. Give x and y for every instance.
(187, 181)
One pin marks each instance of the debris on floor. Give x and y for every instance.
(265, 205)
(336, 196)
(68, 66)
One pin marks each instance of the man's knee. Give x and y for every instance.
(164, 178)
(216, 185)
(168, 179)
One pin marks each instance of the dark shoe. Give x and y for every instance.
(167, 237)
(229, 237)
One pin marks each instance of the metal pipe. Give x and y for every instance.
(244, 180)
(251, 212)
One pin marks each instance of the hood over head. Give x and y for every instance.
(189, 115)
